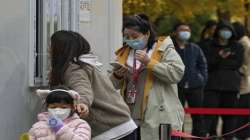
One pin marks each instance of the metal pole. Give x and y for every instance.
(165, 131)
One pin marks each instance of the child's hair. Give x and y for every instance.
(66, 47)
(59, 96)
(209, 24)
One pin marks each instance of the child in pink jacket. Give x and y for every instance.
(60, 122)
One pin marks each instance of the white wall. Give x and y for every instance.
(18, 106)
(104, 30)
(16, 102)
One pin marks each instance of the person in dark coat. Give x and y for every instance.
(207, 35)
(190, 88)
(224, 56)
(207, 32)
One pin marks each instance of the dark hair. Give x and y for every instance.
(66, 47)
(59, 96)
(209, 24)
(239, 29)
(141, 23)
(178, 24)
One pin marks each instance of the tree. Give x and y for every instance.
(153, 8)
(164, 13)
(186, 9)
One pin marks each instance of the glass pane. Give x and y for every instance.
(52, 15)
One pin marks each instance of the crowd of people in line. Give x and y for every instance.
(149, 85)
(217, 74)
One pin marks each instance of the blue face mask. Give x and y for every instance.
(225, 34)
(184, 35)
(136, 44)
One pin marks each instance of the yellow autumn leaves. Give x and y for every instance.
(185, 9)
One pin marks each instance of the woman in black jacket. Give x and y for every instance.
(224, 57)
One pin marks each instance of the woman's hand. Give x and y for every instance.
(82, 109)
(120, 73)
(224, 54)
(142, 56)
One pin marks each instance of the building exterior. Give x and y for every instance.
(18, 53)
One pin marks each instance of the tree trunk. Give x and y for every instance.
(247, 17)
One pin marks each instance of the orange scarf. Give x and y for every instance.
(122, 55)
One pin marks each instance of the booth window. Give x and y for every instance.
(48, 16)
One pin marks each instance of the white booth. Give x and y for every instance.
(25, 29)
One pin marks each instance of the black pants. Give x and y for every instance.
(194, 98)
(220, 99)
(133, 136)
(175, 138)
(244, 102)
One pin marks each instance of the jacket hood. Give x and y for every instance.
(91, 59)
(224, 24)
(45, 116)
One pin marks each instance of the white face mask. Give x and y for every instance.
(184, 35)
(61, 113)
(137, 44)
(225, 34)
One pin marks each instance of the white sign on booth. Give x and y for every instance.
(85, 10)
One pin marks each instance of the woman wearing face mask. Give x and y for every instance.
(60, 122)
(149, 72)
(100, 104)
(225, 57)
(190, 88)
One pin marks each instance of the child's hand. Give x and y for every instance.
(83, 110)
(55, 123)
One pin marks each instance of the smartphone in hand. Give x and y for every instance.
(116, 65)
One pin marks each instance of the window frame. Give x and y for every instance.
(46, 17)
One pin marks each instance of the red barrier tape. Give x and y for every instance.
(218, 111)
(186, 135)
(214, 111)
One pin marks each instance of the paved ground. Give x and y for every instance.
(188, 125)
